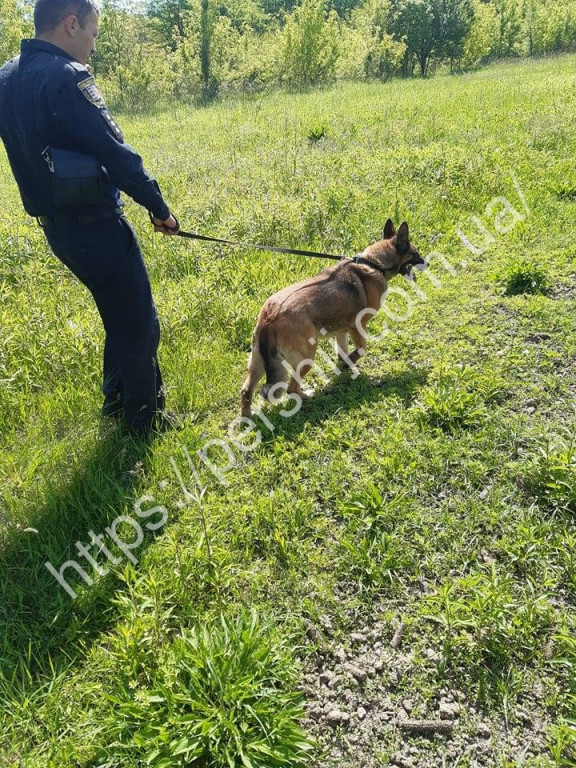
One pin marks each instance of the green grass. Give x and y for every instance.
(525, 276)
(439, 483)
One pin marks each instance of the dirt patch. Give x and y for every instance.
(365, 713)
(565, 291)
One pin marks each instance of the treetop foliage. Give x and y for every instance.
(199, 48)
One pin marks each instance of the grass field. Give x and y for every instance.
(438, 488)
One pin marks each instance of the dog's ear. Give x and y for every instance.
(388, 230)
(402, 239)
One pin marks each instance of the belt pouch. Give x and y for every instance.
(77, 179)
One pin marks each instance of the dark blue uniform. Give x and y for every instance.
(50, 101)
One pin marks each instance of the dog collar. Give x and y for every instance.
(368, 263)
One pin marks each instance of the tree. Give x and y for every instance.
(453, 20)
(277, 7)
(169, 19)
(412, 22)
(510, 37)
(481, 39)
(344, 7)
(550, 28)
(376, 52)
(206, 25)
(128, 61)
(431, 28)
(13, 27)
(311, 48)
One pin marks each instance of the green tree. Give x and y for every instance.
(209, 85)
(129, 61)
(412, 23)
(311, 49)
(213, 53)
(550, 28)
(243, 14)
(431, 28)
(344, 7)
(452, 21)
(277, 8)
(13, 27)
(481, 39)
(168, 18)
(511, 37)
(368, 45)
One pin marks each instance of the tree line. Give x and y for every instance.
(196, 49)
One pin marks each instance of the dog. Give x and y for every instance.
(337, 302)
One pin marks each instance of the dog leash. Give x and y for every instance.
(274, 249)
(277, 249)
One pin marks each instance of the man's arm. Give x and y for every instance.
(81, 114)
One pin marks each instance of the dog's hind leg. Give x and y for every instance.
(272, 359)
(255, 373)
(276, 380)
(301, 360)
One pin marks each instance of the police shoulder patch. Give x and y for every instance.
(91, 91)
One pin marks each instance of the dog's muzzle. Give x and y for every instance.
(411, 274)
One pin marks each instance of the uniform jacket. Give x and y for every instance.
(48, 99)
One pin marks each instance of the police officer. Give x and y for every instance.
(69, 160)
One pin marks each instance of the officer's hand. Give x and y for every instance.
(169, 226)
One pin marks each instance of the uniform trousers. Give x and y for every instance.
(106, 258)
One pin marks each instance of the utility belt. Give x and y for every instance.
(72, 220)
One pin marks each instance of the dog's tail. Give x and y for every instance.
(275, 371)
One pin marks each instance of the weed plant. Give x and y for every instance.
(525, 276)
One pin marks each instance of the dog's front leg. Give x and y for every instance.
(341, 346)
(359, 340)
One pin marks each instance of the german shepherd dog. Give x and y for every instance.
(338, 301)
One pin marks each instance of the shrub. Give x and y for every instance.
(367, 48)
(13, 27)
(551, 28)
(480, 40)
(311, 48)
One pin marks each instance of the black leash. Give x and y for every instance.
(275, 249)
(278, 249)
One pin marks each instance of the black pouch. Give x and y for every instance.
(77, 178)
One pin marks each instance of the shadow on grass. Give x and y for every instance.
(39, 621)
(344, 393)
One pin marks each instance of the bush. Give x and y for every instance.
(311, 49)
(134, 71)
(551, 27)
(140, 87)
(368, 49)
(480, 41)
(457, 399)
